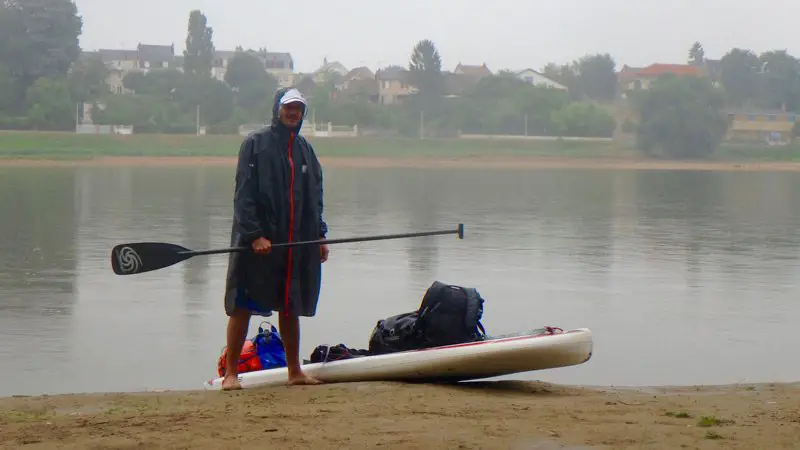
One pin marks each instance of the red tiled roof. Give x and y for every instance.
(480, 71)
(660, 69)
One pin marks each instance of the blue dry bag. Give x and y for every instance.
(269, 347)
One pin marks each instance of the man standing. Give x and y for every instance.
(278, 198)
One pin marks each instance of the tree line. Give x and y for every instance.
(44, 76)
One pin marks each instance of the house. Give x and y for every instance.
(359, 84)
(393, 85)
(114, 80)
(145, 57)
(537, 79)
(361, 90)
(767, 126)
(329, 70)
(124, 60)
(636, 78)
(278, 64)
(357, 74)
(219, 63)
(155, 56)
(473, 71)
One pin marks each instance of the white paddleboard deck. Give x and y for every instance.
(474, 360)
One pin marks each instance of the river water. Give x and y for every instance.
(685, 277)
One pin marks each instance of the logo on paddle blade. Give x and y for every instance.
(128, 260)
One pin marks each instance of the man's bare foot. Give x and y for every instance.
(302, 379)
(231, 383)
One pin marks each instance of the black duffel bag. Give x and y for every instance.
(448, 314)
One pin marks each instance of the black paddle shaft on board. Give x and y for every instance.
(140, 257)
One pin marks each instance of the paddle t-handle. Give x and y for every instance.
(140, 257)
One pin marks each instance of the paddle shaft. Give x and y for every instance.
(459, 231)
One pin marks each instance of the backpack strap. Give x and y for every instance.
(483, 330)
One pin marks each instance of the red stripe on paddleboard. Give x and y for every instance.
(492, 341)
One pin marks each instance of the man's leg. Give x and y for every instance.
(237, 333)
(290, 334)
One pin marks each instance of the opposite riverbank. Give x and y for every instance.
(486, 415)
(50, 148)
(430, 162)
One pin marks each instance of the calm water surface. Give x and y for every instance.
(685, 277)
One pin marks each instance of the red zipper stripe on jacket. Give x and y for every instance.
(291, 226)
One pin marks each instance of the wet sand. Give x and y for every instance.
(486, 415)
(467, 162)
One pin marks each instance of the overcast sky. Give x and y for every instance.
(512, 34)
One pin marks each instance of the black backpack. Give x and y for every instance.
(449, 314)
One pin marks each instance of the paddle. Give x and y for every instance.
(140, 257)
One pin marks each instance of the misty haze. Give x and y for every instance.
(625, 173)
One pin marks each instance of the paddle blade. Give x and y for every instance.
(140, 257)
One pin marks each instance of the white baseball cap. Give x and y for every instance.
(291, 96)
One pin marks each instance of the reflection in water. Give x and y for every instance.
(37, 254)
(421, 209)
(197, 231)
(670, 269)
(37, 272)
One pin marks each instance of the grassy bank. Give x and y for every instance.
(71, 145)
(487, 415)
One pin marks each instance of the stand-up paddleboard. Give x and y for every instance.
(484, 359)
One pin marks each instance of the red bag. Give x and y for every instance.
(248, 359)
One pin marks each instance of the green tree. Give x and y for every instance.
(199, 51)
(87, 80)
(696, 54)
(680, 117)
(160, 83)
(50, 105)
(147, 114)
(53, 28)
(244, 69)
(583, 119)
(739, 75)
(597, 76)
(186, 92)
(501, 105)
(253, 86)
(213, 97)
(565, 75)
(425, 68)
(38, 38)
(779, 81)
(8, 91)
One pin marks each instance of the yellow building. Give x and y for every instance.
(771, 127)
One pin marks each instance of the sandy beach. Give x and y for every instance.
(434, 162)
(484, 415)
